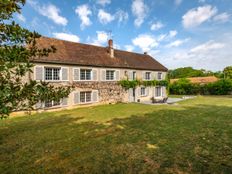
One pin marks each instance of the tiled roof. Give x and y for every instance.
(201, 80)
(90, 55)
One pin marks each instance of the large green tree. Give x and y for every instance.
(17, 47)
(228, 72)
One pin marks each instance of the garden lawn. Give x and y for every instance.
(194, 136)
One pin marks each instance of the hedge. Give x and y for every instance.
(185, 87)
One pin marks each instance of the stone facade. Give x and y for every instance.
(109, 92)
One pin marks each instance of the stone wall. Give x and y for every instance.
(109, 92)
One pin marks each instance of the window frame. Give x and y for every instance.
(53, 104)
(134, 75)
(114, 75)
(52, 75)
(143, 91)
(146, 75)
(158, 87)
(85, 97)
(91, 74)
(160, 76)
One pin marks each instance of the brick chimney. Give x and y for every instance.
(111, 48)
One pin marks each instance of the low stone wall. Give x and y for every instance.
(109, 92)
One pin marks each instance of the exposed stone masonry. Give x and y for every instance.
(109, 92)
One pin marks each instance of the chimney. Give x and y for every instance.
(145, 53)
(111, 48)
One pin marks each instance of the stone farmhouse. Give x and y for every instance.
(95, 72)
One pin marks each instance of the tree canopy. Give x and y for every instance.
(17, 47)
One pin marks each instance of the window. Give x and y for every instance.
(110, 74)
(158, 91)
(51, 103)
(85, 74)
(85, 97)
(143, 91)
(159, 76)
(147, 76)
(52, 73)
(134, 75)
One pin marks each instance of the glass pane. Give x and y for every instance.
(48, 73)
(56, 74)
(88, 96)
(48, 104)
(82, 97)
(88, 74)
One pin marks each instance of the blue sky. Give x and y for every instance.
(177, 33)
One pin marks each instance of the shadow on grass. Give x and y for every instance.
(191, 140)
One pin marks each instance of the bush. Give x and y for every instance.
(185, 87)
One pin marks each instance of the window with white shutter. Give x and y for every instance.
(64, 72)
(117, 75)
(76, 74)
(64, 101)
(76, 97)
(38, 71)
(103, 74)
(94, 74)
(95, 95)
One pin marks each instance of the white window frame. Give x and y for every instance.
(161, 76)
(160, 91)
(146, 75)
(134, 77)
(114, 75)
(143, 94)
(53, 106)
(85, 102)
(91, 74)
(60, 78)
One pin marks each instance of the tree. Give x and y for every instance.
(17, 48)
(228, 72)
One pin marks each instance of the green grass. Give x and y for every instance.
(192, 137)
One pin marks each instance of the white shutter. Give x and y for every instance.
(164, 91)
(147, 91)
(103, 74)
(76, 97)
(153, 75)
(144, 75)
(95, 96)
(39, 75)
(117, 75)
(76, 74)
(138, 91)
(64, 101)
(130, 94)
(94, 74)
(130, 75)
(64, 74)
(39, 105)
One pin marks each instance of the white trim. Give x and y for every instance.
(34, 72)
(91, 74)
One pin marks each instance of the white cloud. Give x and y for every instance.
(139, 10)
(177, 43)
(156, 26)
(66, 36)
(172, 33)
(129, 48)
(197, 16)
(145, 42)
(101, 39)
(50, 11)
(83, 11)
(121, 16)
(207, 47)
(103, 2)
(21, 17)
(105, 17)
(223, 17)
(178, 2)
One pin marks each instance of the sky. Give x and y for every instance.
(177, 33)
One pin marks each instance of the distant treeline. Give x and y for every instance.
(190, 72)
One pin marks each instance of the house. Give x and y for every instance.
(95, 72)
(199, 80)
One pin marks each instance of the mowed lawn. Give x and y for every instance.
(194, 136)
